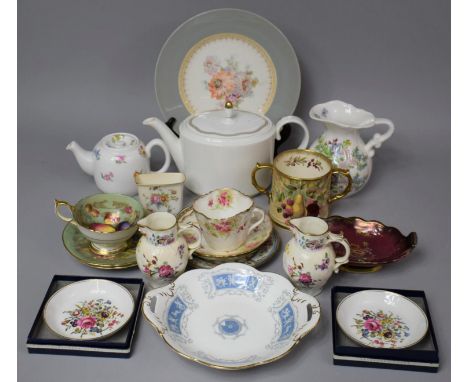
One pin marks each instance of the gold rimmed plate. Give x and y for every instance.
(80, 248)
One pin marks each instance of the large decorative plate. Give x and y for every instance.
(89, 309)
(79, 247)
(232, 316)
(255, 239)
(260, 256)
(381, 319)
(227, 55)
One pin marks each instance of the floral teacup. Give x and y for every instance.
(161, 191)
(226, 217)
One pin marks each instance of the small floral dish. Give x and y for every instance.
(80, 248)
(381, 319)
(257, 258)
(232, 316)
(226, 217)
(254, 240)
(372, 243)
(108, 221)
(161, 192)
(89, 309)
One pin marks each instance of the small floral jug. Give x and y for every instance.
(309, 259)
(163, 251)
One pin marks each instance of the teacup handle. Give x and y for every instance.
(260, 166)
(345, 173)
(339, 261)
(259, 221)
(167, 156)
(195, 245)
(377, 140)
(58, 205)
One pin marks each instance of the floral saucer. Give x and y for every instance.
(89, 309)
(79, 247)
(260, 256)
(256, 238)
(232, 316)
(381, 319)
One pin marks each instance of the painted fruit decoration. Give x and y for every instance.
(298, 206)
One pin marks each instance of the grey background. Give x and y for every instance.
(86, 70)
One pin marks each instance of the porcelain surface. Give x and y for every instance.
(217, 56)
(381, 319)
(226, 218)
(232, 316)
(80, 248)
(104, 210)
(115, 159)
(300, 186)
(372, 243)
(254, 240)
(161, 192)
(258, 257)
(207, 151)
(163, 251)
(341, 141)
(89, 309)
(309, 259)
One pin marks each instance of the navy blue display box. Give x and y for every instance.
(43, 341)
(423, 356)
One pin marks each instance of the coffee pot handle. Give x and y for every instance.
(339, 261)
(293, 120)
(377, 140)
(167, 156)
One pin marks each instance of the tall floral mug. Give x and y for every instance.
(300, 185)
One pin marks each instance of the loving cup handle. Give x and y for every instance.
(167, 156)
(345, 173)
(260, 166)
(339, 261)
(259, 221)
(58, 205)
(197, 243)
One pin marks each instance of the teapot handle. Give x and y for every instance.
(377, 140)
(339, 261)
(293, 120)
(167, 156)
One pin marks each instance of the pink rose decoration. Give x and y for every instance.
(155, 199)
(372, 325)
(86, 322)
(305, 278)
(224, 226)
(223, 199)
(166, 271)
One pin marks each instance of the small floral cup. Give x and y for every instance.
(161, 191)
(226, 217)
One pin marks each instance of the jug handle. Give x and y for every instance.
(339, 261)
(377, 140)
(291, 119)
(345, 173)
(260, 166)
(167, 156)
(197, 243)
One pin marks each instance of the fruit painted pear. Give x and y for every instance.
(298, 206)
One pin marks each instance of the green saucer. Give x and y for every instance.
(79, 247)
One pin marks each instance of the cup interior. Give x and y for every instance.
(111, 209)
(302, 164)
(222, 203)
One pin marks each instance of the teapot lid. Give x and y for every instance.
(120, 141)
(228, 122)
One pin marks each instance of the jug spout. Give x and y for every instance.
(84, 157)
(162, 224)
(308, 226)
(168, 136)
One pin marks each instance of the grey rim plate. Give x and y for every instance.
(227, 21)
(262, 255)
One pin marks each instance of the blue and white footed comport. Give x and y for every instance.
(231, 316)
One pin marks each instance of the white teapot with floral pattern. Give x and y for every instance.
(115, 159)
(341, 141)
(163, 251)
(309, 258)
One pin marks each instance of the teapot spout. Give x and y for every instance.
(168, 136)
(84, 157)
